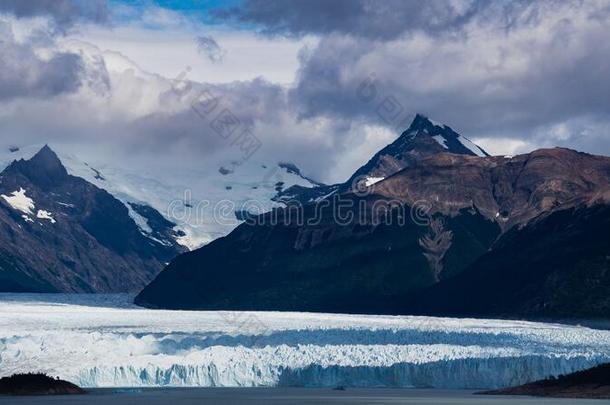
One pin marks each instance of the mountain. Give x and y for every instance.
(192, 197)
(61, 233)
(205, 202)
(421, 229)
(423, 138)
(356, 267)
(557, 266)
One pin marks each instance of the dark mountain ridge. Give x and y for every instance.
(63, 234)
(555, 267)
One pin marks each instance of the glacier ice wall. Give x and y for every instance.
(103, 341)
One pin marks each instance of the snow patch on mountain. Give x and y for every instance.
(324, 196)
(140, 221)
(471, 146)
(372, 180)
(435, 123)
(19, 201)
(42, 214)
(441, 141)
(104, 341)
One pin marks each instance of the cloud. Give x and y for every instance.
(503, 70)
(552, 66)
(373, 19)
(133, 115)
(63, 12)
(514, 78)
(23, 73)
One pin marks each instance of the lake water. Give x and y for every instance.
(286, 396)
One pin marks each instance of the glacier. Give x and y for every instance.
(105, 341)
(199, 200)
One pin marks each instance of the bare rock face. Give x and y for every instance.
(510, 191)
(556, 266)
(63, 234)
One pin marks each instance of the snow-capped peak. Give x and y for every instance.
(444, 136)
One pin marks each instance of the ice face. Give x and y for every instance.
(103, 341)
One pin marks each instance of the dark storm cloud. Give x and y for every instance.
(24, 74)
(551, 66)
(461, 61)
(256, 105)
(193, 126)
(558, 83)
(387, 19)
(63, 12)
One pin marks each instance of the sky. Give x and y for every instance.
(323, 84)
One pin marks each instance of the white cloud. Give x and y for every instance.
(504, 146)
(364, 141)
(168, 52)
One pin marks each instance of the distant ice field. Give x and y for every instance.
(104, 341)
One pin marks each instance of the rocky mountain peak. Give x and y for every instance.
(442, 135)
(46, 159)
(44, 169)
(85, 239)
(423, 138)
(421, 122)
